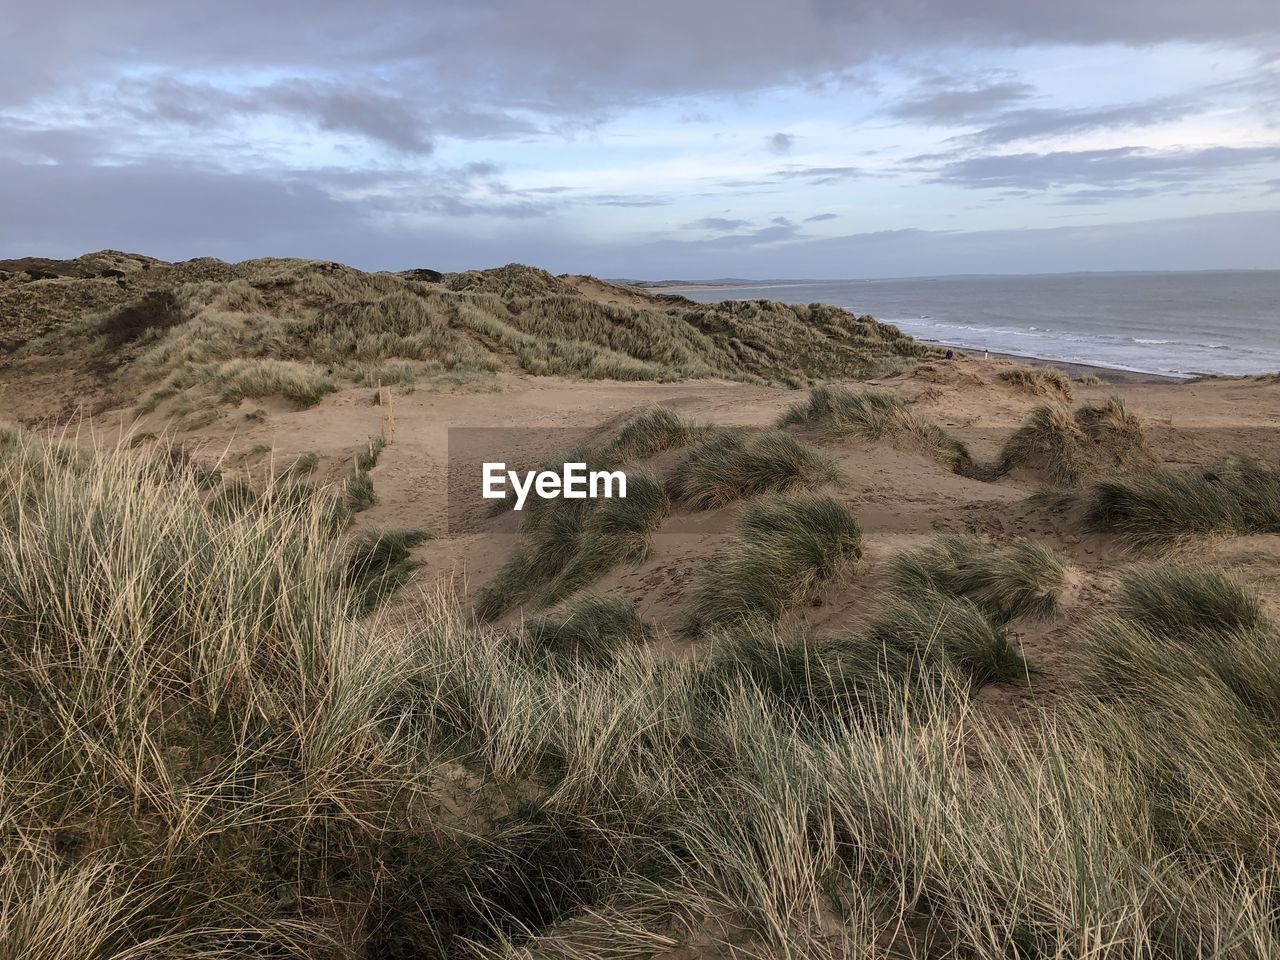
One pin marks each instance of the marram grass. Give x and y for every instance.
(203, 754)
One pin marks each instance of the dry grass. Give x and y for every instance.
(1163, 506)
(733, 465)
(206, 754)
(567, 544)
(838, 412)
(1022, 579)
(1039, 382)
(786, 547)
(1070, 448)
(234, 330)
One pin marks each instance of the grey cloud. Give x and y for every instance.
(386, 119)
(382, 115)
(621, 200)
(717, 223)
(1120, 166)
(1027, 123)
(776, 234)
(821, 216)
(561, 57)
(780, 143)
(818, 175)
(66, 210)
(938, 104)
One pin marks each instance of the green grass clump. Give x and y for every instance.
(650, 433)
(206, 754)
(1165, 505)
(816, 679)
(785, 548)
(357, 488)
(367, 456)
(1097, 440)
(306, 464)
(952, 631)
(593, 629)
(378, 563)
(1190, 603)
(1021, 580)
(877, 416)
(358, 492)
(729, 466)
(303, 384)
(567, 544)
(1040, 381)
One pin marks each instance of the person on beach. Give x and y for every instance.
(951, 355)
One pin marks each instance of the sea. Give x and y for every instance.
(1169, 323)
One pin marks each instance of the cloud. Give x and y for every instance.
(65, 210)
(817, 217)
(936, 103)
(561, 58)
(1119, 166)
(780, 143)
(1013, 125)
(717, 223)
(620, 200)
(310, 108)
(818, 176)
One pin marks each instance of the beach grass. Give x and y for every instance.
(206, 754)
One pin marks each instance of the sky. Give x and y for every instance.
(693, 139)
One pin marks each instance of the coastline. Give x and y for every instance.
(1111, 375)
(1076, 368)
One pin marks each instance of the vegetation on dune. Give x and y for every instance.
(593, 628)
(652, 432)
(817, 680)
(786, 547)
(951, 631)
(306, 464)
(1164, 505)
(1189, 603)
(567, 544)
(1023, 579)
(1188, 669)
(1039, 381)
(1072, 448)
(731, 465)
(298, 328)
(206, 754)
(378, 562)
(877, 416)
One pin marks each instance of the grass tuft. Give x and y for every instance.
(1021, 580)
(877, 416)
(650, 433)
(953, 631)
(567, 544)
(1162, 506)
(729, 466)
(1073, 448)
(785, 548)
(378, 563)
(1039, 381)
(1189, 603)
(592, 629)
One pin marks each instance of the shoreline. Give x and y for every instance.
(1075, 368)
(1111, 375)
